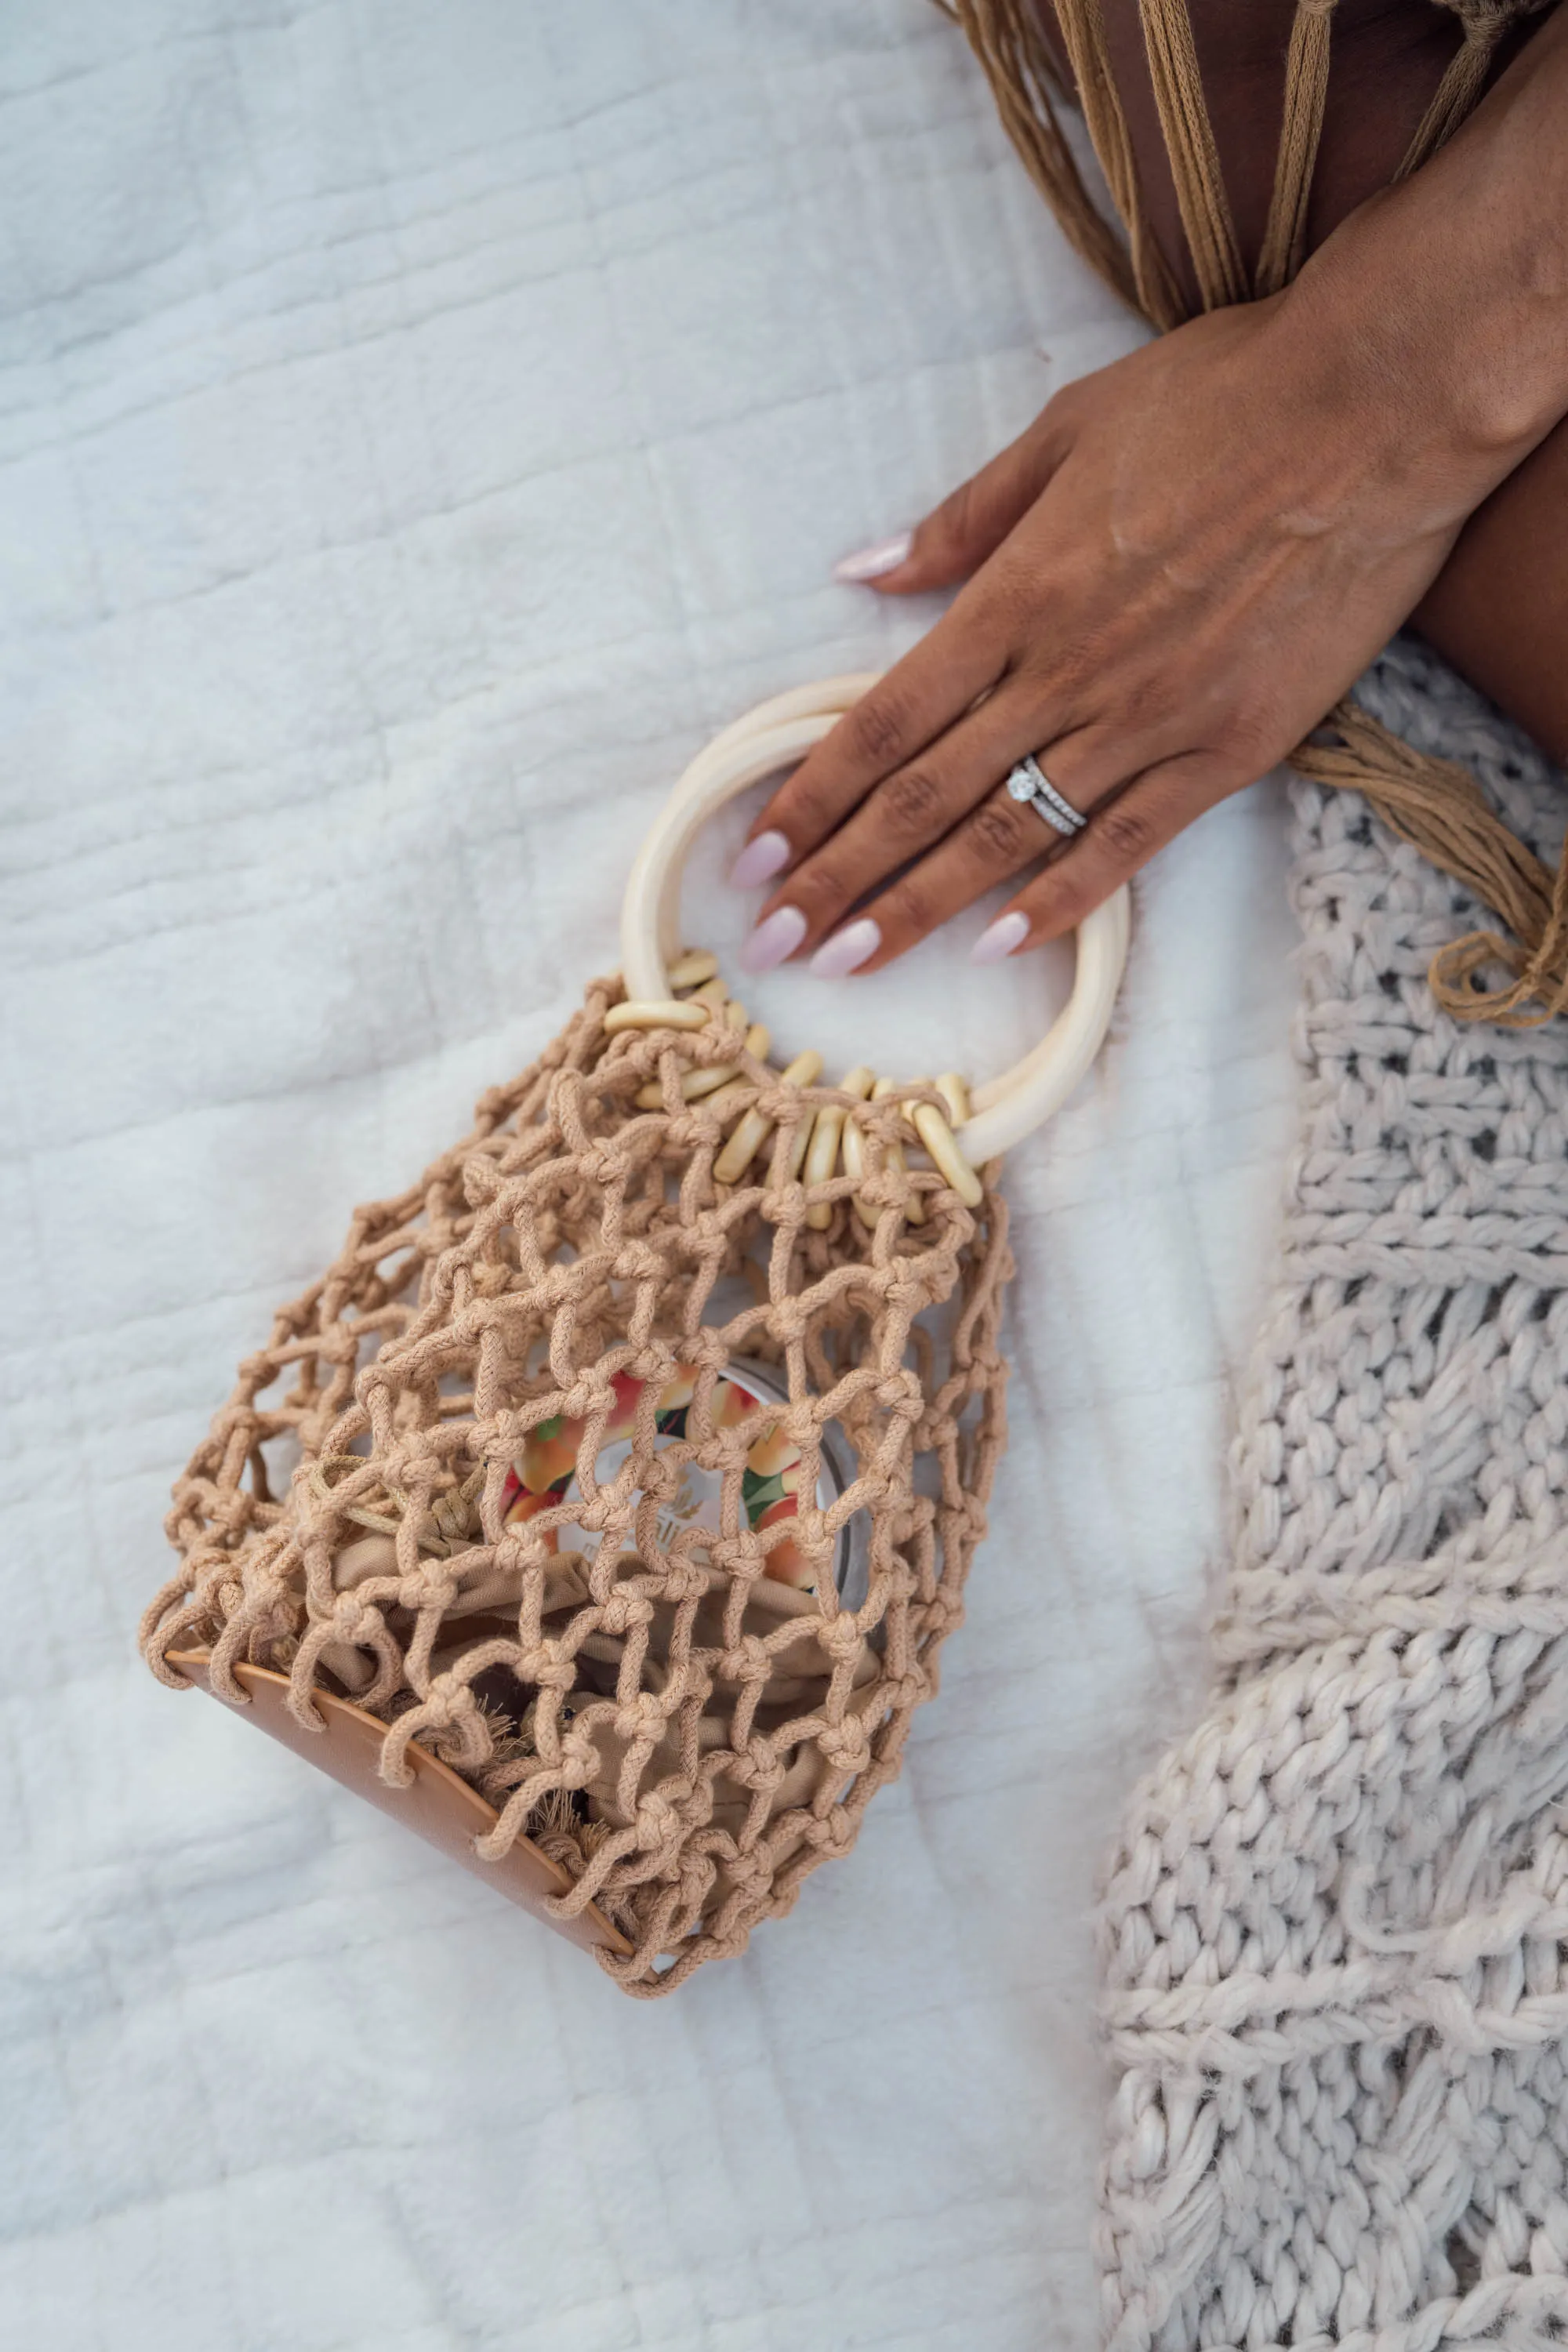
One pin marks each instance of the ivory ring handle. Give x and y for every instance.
(778, 734)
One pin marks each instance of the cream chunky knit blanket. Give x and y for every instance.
(1336, 1920)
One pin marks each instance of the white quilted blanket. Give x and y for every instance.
(420, 426)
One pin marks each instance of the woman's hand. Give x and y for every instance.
(1171, 577)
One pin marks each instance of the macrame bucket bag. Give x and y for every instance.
(637, 1452)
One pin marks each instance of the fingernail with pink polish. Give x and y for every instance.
(758, 861)
(999, 939)
(847, 949)
(872, 563)
(772, 941)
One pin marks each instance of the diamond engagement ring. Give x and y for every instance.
(1029, 781)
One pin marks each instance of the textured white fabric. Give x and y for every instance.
(420, 425)
(1335, 1928)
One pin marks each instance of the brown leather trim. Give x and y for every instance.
(438, 1806)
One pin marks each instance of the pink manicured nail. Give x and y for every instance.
(773, 941)
(758, 861)
(847, 949)
(871, 562)
(999, 939)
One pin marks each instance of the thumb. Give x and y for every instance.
(971, 523)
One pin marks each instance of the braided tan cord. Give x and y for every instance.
(1300, 131)
(1083, 36)
(1006, 38)
(1483, 24)
(1195, 158)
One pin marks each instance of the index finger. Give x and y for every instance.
(920, 697)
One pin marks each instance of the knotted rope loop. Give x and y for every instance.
(1483, 24)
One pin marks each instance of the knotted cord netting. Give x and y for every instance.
(688, 1731)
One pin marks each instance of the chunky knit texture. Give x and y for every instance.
(1334, 1926)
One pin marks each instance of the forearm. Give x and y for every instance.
(1482, 309)
(1440, 308)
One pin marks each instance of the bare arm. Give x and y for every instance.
(1189, 556)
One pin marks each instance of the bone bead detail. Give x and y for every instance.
(754, 1128)
(666, 1013)
(822, 1157)
(693, 968)
(942, 1146)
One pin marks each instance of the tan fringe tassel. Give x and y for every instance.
(1484, 21)
(1437, 806)
(1195, 158)
(1083, 38)
(1300, 130)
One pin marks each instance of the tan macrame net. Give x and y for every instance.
(1431, 803)
(689, 1735)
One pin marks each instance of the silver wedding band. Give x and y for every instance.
(1029, 783)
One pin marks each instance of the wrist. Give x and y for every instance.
(1442, 303)
(1454, 347)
